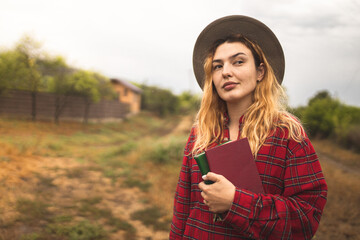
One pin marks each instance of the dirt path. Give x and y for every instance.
(336, 164)
(64, 183)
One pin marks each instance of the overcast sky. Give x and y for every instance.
(152, 41)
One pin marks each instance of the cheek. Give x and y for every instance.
(216, 82)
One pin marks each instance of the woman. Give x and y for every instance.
(239, 63)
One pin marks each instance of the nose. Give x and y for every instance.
(226, 70)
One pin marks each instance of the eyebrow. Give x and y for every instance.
(231, 57)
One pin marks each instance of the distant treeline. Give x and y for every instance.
(327, 117)
(164, 102)
(323, 117)
(28, 67)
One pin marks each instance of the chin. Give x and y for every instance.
(231, 99)
(236, 98)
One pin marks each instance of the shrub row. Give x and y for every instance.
(328, 117)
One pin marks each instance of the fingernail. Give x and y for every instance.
(203, 177)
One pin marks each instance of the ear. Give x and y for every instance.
(260, 72)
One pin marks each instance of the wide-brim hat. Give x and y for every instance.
(252, 29)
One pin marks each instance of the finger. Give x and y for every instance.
(203, 195)
(213, 177)
(201, 186)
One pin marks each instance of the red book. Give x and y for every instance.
(235, 162)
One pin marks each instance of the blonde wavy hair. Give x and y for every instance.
(265, 114)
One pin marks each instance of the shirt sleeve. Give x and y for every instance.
(296, 213)
(183, 194)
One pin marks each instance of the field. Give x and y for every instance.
(117, 180)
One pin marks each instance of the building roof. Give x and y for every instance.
(126, 84)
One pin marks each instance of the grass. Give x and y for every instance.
(83, 230)
(165, 153)
(52, 206)
(102, 181)
(134, 182)
(340, 219)
(347, 158)
(32, 210)
(152, 216)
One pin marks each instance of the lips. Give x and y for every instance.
(229, 85)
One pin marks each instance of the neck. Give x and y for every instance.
(236, 110)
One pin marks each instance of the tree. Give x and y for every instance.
(106, 89)
(86, 86)
(324, 94)
(28, 75)
(189, 102)
(57, 75)
(160, 101)
(7, 69)
(322, 116)
(328, 117)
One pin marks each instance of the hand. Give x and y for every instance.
(218, 196)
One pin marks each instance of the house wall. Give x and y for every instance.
(128, 96)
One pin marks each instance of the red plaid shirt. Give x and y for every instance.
(291, 208)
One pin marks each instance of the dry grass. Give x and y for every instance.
(341, 215)
(101, 178)
(334, 151)
(64, 165)
(341, 218)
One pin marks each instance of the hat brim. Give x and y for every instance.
(249, 27)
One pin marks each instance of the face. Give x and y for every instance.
(234, 73)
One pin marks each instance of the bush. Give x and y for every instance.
(157, 100)
(352, 139)
(166, 153)
(321, 117)
(163, 102)
(189, 102)
(326, 117)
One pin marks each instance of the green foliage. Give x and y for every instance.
(327, 117)
(157, 100)
(28, 67)
(352, 139)
(57, 75)
(322, 116)
(189, 102)
(105, 87)
(8, 69)
(319, 96)
(28, 76)
(166, 153)
(86, 85)
(163, 102)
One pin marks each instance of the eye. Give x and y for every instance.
(217, 66)
(238, 62)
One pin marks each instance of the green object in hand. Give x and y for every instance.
(202, 162)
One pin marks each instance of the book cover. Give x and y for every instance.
(234, 160)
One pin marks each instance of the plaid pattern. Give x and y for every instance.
(291, 208)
